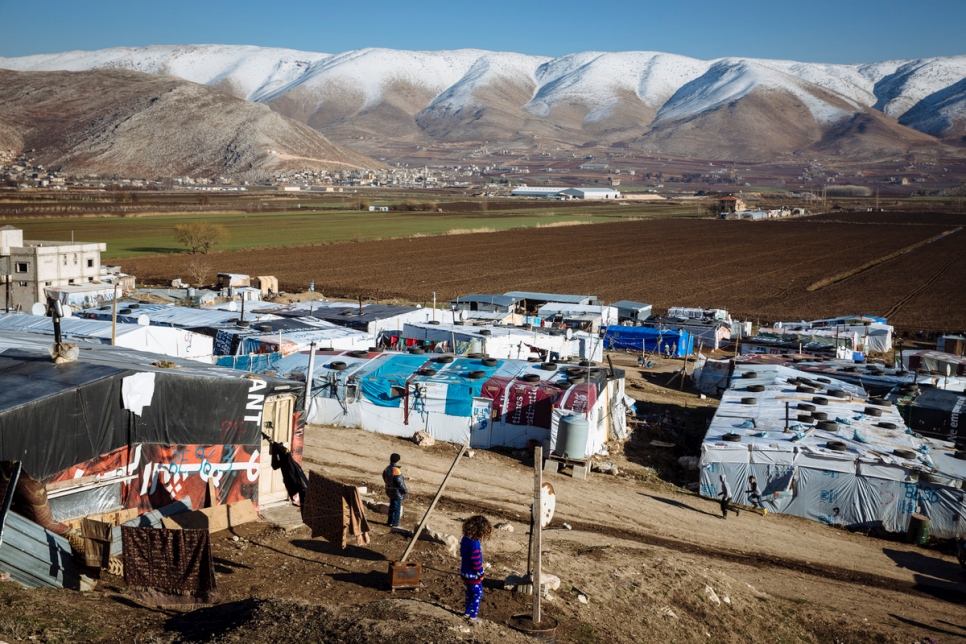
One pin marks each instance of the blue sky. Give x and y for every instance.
(837, 31)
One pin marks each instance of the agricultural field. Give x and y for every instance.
(763, 271)
(153, 234)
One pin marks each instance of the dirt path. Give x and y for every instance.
(802, 561)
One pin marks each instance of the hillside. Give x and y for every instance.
(657, 101)
(112, 121)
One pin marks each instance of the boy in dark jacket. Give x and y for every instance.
(395, 489)
(475, 530)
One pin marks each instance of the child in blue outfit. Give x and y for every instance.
(475, 530)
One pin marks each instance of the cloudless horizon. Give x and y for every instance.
(820, 31)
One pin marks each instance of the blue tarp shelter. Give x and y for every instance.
(638, 338)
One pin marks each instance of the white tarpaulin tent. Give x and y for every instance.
(877, 476)
(510, 343)
(491, 403)
(153, 339)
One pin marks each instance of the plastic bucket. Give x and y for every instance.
(918, 529)
(858, 356)
(545, 631)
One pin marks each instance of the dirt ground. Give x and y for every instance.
(769, 270)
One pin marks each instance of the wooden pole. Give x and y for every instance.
(432, 506)
(537, 520)
(114, 317)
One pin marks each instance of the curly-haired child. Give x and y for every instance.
(476, 529)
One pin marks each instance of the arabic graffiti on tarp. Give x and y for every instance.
(161, 474)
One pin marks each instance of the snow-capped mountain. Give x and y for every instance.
(642, 98)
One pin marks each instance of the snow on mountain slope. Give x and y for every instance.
(599, 80)
(731, 79)
(942, 114)
(250, 71)
(486, 70)
(915, 80)
(371, 71)
(378, 91)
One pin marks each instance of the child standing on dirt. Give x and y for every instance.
(395, 489)
(476, 529)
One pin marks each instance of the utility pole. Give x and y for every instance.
(114, 316)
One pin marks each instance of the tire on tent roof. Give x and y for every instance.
(475, 356)
(124, 312)
(751, 400)
(338, 365)
(426, 371)
(820, 400)
(359, 354)
(794, 381)
(489, 362)
(961, 455)
(584, 363)
(828, 425)
(904, 453)
(548, 366)
(802, 389)
(444, 359)
(732, 438)
(837, 393)
(432, 322)
(872, 411)
(805, 418)
(880, 402)
(416, 350)
(825, 380)
(485, 332)
(806, 407)
(576, 380)
(852, 369)
(755, 388)
(749, 374)
(836, 446)
(573, 371)
(886, 425)
(530, 377)
(533, 359)
(476, 374)
(819, 415)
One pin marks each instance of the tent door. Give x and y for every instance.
(481, 423)
(277, 423)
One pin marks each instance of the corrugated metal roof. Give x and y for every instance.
(628, 304)
(551, 297)
(498, 300)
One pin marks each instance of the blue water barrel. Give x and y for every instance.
(572, 437)
(858, 356)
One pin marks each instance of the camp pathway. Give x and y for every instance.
(627, 510)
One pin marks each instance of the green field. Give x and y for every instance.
(133, 236)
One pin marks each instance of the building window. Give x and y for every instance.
(22, 284)
(75, 259)
(65, 260)
(70, 281)
(21, 267)
(90, 263)
(47, 283)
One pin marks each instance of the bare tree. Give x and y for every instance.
(198, 268)
(200, 236)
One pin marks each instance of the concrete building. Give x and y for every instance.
(29, 268)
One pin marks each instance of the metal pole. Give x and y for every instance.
(538, 518)
(11, 488)
(432, 506)
(308, 379)
(114, 317)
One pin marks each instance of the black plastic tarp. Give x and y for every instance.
(55, 416)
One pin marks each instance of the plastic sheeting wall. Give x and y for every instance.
(833, 491)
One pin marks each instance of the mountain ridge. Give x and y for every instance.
(638, 98)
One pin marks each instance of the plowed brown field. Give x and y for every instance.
(757, 270)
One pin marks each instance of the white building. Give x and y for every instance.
(29, 268)
(592, 193)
